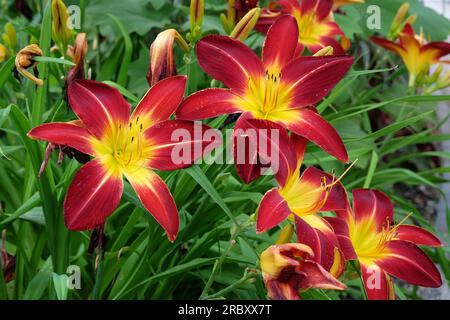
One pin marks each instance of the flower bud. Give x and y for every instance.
(9, 37)
(3, 52)
(162, 62)
(400, 21)
(25, 59)
(286, 234)
(325, 51)
(197, 11)
(61, 32)
(246, 25)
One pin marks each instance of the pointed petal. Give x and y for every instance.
(377, 284)
(160, 101)
(436, 50)
(316, 233)
(310, 125)
(98, 105)
(373, 205)
(245, 150)
(322, 8)
(277, 290)
(388, 45)
(407, 262)
(228, 60)
(337, 196)
(92, 196)
(208, 103)
(280, 44)
(279, 150)
(156, 198)
(340, 227)
(176, 144)
(272, 210)
(64, 133)
(417, 236)
(311, 78)
(317, 277)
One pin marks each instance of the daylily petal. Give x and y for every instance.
(417, 236)
(98, 105)
(208, 103)
(160, 101)
(372, 205)
(389, 45)
(340, 227)
(156, 198)
(228, 60)
(311, 78)
(436, 49)
(278, 49)
(176, 144)
(317, 233)
(310, 125)
(64, 133)
(246, 158)
(328, 41)
(377, 284)
(407, 262)
(318, 277)
(280, 151)
(92, 196)
(322, 8)
(272, 210)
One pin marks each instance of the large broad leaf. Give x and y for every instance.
(137, 16)
(433, 23)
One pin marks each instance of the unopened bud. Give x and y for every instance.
(286, 234)
(197, 10)
(162, 62)
(325, 51)
(61, 32)
(246, 25)
(9, 36)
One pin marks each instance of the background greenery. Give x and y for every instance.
(382, 124)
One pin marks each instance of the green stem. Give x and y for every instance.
(247, 276)
(218, 263)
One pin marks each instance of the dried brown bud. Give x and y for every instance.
(25, 59)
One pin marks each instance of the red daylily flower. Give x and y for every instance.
(301, 197)
(277, 88)
(121, 145)
(288, 268)
(417, 55)
(316, 26)
(367, 233)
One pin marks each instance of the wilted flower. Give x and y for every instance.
(242, 30)
(289, 268)
(162, 62)
(25, 59)
(367, 233)
(122, 145)
(279, 88)
(417, 55)
(77, 52)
